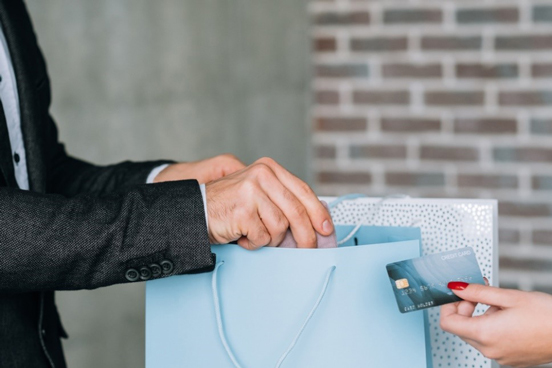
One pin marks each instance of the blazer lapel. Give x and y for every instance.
(18, 32)
(6, 163)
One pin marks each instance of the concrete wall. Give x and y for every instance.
(177, 79)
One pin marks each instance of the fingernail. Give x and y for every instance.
(457, 285)
(327, 227)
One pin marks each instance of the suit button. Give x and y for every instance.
(132, 275)
(145, 273)
(167, 266)
(155, 269)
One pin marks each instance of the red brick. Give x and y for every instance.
(541, 126)
(414, 179)
(542, 14)
(522, 154)
(379, 44)
(342, 18)
(448, 153)
(339, 177)
(410, 125)
(508, 236)
(541, 182)
(487, 181)
(327, 97)
(530, 42)
(525, 264)
(541, 70)
(325, 151)
(520, 209)
(341, 124)
(525, 98)
(379, 151)
(487, 15)
(325, 44)
(347, 70)
(451, 43)
(454, 98)
(381, 97)
(486, 71)
(403, 70)
(542, 237)
(412, 16)
(485, 126)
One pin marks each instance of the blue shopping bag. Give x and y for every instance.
(289, 308)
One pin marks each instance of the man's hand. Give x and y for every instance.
(516, 330)
(203, 171)
(256, 205)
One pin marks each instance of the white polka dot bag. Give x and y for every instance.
(445, 224)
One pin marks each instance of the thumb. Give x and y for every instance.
(489, 295)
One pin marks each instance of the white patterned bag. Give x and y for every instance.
(445, 224)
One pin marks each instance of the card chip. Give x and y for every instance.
(402, 284)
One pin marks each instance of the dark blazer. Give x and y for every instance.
(80, 226)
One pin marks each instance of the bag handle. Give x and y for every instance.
(222, 334)
(369, 216)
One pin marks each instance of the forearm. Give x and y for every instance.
(49, 242)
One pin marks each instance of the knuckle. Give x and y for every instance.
(262, 170)
(282, 223)
(249, 245)
(249, 185)
(228, 156)
(267, 161)
(261, 236)
(299, 211)
(305, 189)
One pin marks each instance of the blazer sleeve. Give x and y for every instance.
(51, 242)
(71, 176)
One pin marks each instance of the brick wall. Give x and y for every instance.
(441, 99)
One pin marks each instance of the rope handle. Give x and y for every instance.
(370, 216)
(220, 326)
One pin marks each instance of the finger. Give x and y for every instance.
(466, 308)
(319, 216)
(455, 323)
(476, 344)
(255, 234)
(230, 164)
(274, 221)
(294, 211)
(488, 295)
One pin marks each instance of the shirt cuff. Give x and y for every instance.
(202, 188)
(153, 174)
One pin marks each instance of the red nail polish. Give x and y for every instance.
(457, 285)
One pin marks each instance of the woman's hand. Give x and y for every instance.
(203, 171)
(516, 330)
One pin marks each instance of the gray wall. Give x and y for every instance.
(181, 79)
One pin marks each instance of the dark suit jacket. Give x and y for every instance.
(80, 226)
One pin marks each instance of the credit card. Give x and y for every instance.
(421, 283)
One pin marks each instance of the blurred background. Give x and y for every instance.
(432, 98)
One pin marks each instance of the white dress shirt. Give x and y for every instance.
(10, 101)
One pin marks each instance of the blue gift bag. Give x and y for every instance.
(289, 308)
